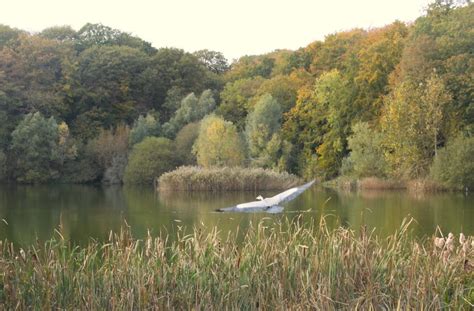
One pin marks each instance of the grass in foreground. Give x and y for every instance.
(193, 178)
(285, 266)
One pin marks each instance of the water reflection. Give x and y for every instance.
(83, 212)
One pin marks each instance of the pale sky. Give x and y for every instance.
(235, 28)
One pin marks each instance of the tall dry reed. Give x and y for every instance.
(193, 178)
(282, 266)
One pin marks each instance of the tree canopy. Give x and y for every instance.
(389, 101)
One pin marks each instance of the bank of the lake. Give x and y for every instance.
(376, 183)
(284, 266)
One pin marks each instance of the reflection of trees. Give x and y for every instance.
(385, 210)
(78, 212)
(81, 212)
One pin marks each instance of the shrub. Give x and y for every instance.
(35, 149)
(149, 159)
(143, 127)
(366, 158)
(184, 142)
(454, 165)
(110, 150)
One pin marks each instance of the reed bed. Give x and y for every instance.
(282, 266)
(193, 178)
(375, 183)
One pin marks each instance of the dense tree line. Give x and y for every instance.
(81, 106)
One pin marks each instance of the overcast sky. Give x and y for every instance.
(236, 28)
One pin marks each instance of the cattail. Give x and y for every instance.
(450, 242)
(148, 245)
(22, 254)
(465, 248)
(439, 242)
(445, 256)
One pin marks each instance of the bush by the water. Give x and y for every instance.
(149, 159)
(283, 266)
(192, 178)
(366, 157)
(454, 164)
(184, 142)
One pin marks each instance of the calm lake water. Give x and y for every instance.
(84, 212)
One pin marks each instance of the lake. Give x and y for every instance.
(81, 212)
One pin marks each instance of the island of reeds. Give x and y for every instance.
(193, 178)
(281, 266)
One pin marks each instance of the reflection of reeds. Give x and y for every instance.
(285, 266)
(379, 184)
(191, 178)
(424, 186)
(415, 186)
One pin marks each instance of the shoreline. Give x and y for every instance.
(376, 183)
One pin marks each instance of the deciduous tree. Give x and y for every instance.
(218, 143)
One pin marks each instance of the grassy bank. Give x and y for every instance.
(375, 183)
(192, 178)
(284, 266)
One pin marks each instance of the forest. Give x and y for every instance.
(102, 105)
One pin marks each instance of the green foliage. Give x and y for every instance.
(214, 61)
(149, 159)
(443, 40)
(235, 99)
(218, 143)
(319, 125)
(367, 155)
(8, 35)
(412, 122)
(173, 68)
(97, 34)
(261, 125)
(191, 109)
(413, 83)
(35, 149)
(143, 127)
(34, 76)
(454, 166)
(59, 33)
(184, 142)
(3, 165)
(109, 86)
(282, 88)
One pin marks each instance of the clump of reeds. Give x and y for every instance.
(424, 185)
(192, 178)
(282, 266)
